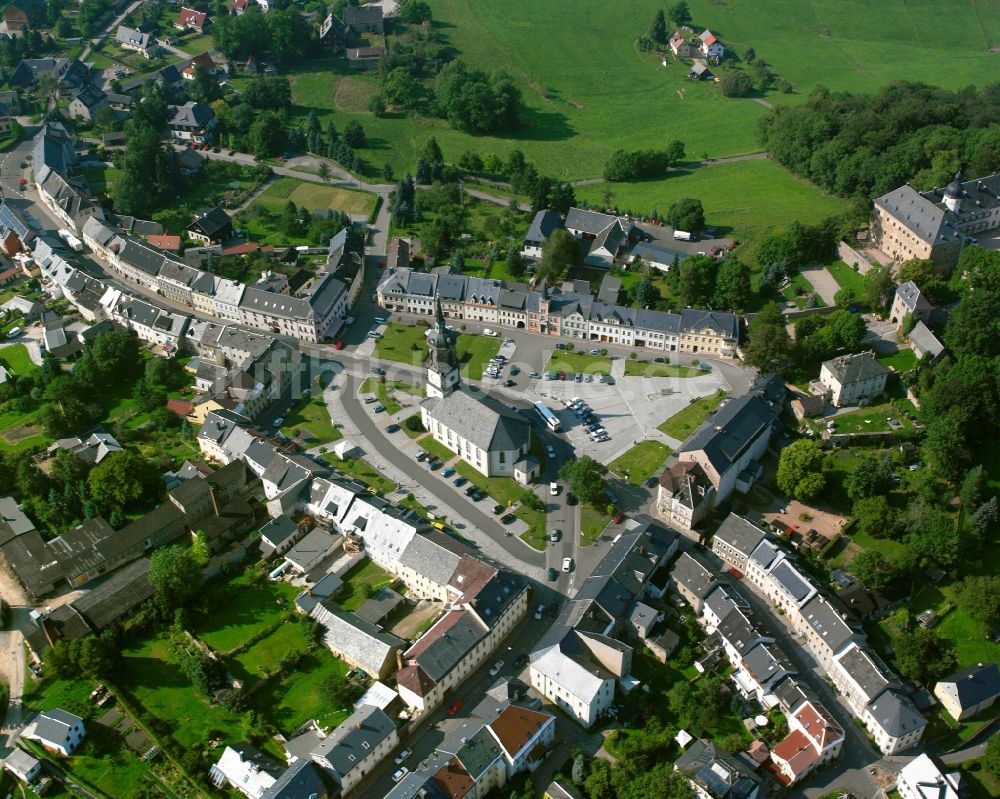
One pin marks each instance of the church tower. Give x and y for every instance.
(442, 368)
(953, 194)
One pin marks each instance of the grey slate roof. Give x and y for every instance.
(739, 631)
(791, 694)
(924, 340)
(912, 297)
(828, 624)
(659, 253)
(854, 368)
(591, 222)
(865, 671)
(366, 725)
(446, 650)
(53, 725)
(482, 421)
(692, 575)
(789, 578)
(542, 225)
(977, 683)
(765, 554)
(740, 534)
(896, 714)
(278, 530)
(731, 431)
(426, 558)
(720, 775)
(360, 641)
(300, 780)
(764, 661)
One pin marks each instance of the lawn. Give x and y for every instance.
(683, 423)
(312, 414)
(474, 353)
(641, 462)
(17, 358)
(799, 290)
(196, 44)
(563, 361)
(408, 344)
(360, 584)
(875, 418)
(264, 656)
(592, 524)
(640, 368)
(848, 277)
(383, 391)
(414, 434)
(226, 624)
(743, 199)
(297, 696)
(901, 361)
(367, 474)
(315, 196)
(436, 448)
(504, 491)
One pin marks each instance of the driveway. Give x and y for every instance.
(823, 283)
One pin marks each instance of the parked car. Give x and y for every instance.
(448, 472)
(402, 756)
(370, 400)
(553, 489)
(619, 518)
(515, 370)
(532, 375)
(550, 450)
(555, 535)
(567, 564)
(508, 519)
(520, 660)
(377, 371)
(571, 498)
(478, 495)
(435, 464)
(595, 352)
(379, 408)
(508, 383)
(421, 456)
(455, 707)
(496, 668)
(392, 428)
(488, 331)
(552, 574)
(540, 612)
(279, 421)
(402, 771)
(470, 491)
(497, 509)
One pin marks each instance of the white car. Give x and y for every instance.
(554, 489)
(539, 612)
(279, 421)
(567, 564)
(489, 331)
(401, 772)
(402, 756)
(550, 450)
(495, 668)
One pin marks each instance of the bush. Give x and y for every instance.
(736, 84)
(414, 424)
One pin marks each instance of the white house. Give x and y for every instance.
(519, 731)
(57, 731)
(853, 379)
(246, 769)
(23, 766)
(578, 683)
(922, 779)
(710, 47)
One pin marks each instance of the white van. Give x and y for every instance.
(14, 333)
(682, 235)
(379, 320)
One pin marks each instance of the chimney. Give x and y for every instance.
(215, 503)
(399, 660)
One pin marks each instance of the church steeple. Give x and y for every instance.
(442, 367)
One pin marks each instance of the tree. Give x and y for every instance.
(123, 479)
(658, 27)
(475, 102)
(921, 656)
(680, 13)
(926, 276)
(732, 285)
(875, 571)
(640, 164)
(354, 135)
(560, 251)
(414, 11)
(267, 135)
(200, 550)
(991, 760)
(879, 286)
(587, 478)
(686, 214)
(769, 346)
(697, 280)
(175, 576)
(324, 171)
(871, 476)
(847, 329)
(646, 294)
(736, 83)
(800, 469)
(515, 263)
(980, 597)
(974, 488)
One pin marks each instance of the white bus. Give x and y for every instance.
(548, 417)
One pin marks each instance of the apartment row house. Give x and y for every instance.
(62, 189)
(215, 504)
(314, 316)
(584, 656)
(723, 455)
(555, 312)
(482, 603)
(873, 693)
(497, 741)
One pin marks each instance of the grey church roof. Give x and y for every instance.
(479, 420)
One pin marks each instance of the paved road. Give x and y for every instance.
(822, 282)
(12, 655)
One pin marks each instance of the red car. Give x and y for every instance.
(455, 707)
(562, 375)
(619, 518)
(338, 345)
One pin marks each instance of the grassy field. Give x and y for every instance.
(902, 361)
(373, 385)
(436, 448)
(592, 524)
(744, 199)
(229, 624)
(315, 196)
(367, 474)
(360, 582)
(641, 462)
(312, 415)
(17, 358)
(408, 344)
(649, 369)
(264, 656)
(474, 353)
(298, 695)
(562, 361)
(685, 421)
(847, 277)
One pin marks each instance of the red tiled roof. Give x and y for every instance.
(165, 241)
(445, 623)
(818, 726)
(415, 679)
(797, 752)
(180, 407)
(248, 247)
(470, 576)
(516, 726)
(454, 780)
(188, 17)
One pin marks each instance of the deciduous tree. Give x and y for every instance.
(800, 469)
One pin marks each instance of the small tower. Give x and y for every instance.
(442, 367)
(953, 194)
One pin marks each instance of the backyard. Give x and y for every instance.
(361, 583)
(312, 414)
(315, 197)
(848, 277)
(683, 423)
(641, 462)
(16, 357)
(225, 624)
(900, 361)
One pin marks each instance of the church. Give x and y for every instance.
(487, 435)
